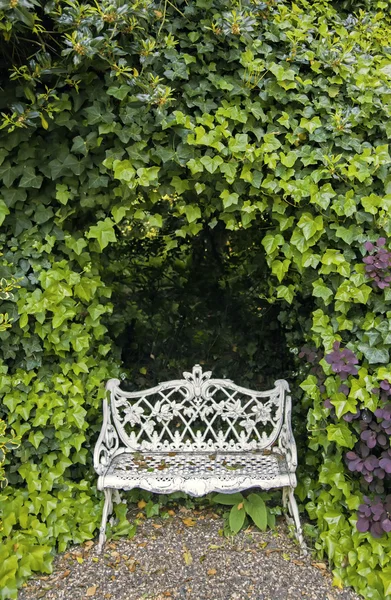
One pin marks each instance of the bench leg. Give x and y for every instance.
(107, 510)
(289, 500)
(117, 497)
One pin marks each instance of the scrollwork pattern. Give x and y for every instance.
(197, 413)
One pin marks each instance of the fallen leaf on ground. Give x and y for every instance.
(270, 550)
(141, 504)
(80, 560)
(132, 565)
(171, 513)
(298, 562)
(187, 557)
(91, 591)
(212, 572)
(88, 544)
(65, 574)
(189, 522)
(319, 565)
(156, 525)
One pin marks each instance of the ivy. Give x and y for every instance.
(206, 182)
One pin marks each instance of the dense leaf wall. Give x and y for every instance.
(156, 158)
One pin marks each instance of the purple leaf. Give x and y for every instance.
(369, 246)
(385, 463)
(386, 525)
(371, 463)
(376, 530)
(362, 525)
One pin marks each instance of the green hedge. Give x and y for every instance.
(141, 136)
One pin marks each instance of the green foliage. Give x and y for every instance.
(180, 183)
(7, 443)
(253, 506)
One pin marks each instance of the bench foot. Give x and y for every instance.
(107, 510)
(289, 502)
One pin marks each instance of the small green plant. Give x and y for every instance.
(122, 526)
(252, 506)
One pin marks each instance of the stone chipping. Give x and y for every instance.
(185, 557)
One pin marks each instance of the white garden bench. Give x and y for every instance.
(196, 435)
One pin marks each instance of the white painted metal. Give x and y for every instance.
(196, 435)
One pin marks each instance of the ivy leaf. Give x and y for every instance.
(270, 143)
(3, 211)
(280, 268)
(229, 199)
(374, 355)
(286, 293)
(118, 92)
(148, 175)
(123, 170)
(341, 434)
(211, 164)
(385, 573)
(238, 143)
(288, 160)
(229, 170)
(321, 290)
(180, 185)
(103, 232)
(30, 179)
(343, 404)
(309, 225)
(195, 166)
(311, 386)
(62, 193)
(271, 242)
(192, 212)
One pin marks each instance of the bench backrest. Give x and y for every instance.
(198, 413)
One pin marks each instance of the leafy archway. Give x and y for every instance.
(161, 163)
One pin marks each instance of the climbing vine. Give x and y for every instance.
(196, 181)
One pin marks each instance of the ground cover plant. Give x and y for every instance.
(196, 181)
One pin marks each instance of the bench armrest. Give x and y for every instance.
(286, 440)
(108, 440)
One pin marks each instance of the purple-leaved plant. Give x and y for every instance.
(375, 516)
(342, 361)
(378, 263)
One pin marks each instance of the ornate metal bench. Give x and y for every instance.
(196, 435)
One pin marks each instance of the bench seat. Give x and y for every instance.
(197, 473)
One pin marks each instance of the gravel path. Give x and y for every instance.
(168, 559)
